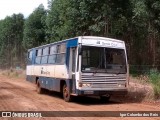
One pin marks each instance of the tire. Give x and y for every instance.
(66, 94)
(104, 99)
(39, 89)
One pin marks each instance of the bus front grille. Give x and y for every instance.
(102, 80)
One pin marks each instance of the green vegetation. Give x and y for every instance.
(137, 22)
(154, 77)
(144, 74)
(11, 36)
(34, 28)
(13, 73)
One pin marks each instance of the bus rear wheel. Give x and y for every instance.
(66, 94)
(39, 89)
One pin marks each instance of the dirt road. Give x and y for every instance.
(20, 95)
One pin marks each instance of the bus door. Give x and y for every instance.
(72, 64)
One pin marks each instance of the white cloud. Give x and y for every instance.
(26, 7)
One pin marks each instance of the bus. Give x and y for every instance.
(80, 66)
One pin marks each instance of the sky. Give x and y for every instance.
(26, 7)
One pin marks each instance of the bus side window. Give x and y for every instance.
(58, 48)
(38, 56)
(45, 55)
(52, 55)
(30, 57)
(61, 51)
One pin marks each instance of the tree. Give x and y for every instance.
(34, 30)
(11, 36)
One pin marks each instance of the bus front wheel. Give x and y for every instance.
(66, 94)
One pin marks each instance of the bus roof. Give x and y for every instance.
(82, 37)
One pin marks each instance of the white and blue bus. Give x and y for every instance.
(80, 66)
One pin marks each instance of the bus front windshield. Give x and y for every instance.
(99, 59)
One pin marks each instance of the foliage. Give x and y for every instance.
(88, 17)
(154, 77)
(137, 22)
(11, 35)
(34, 29)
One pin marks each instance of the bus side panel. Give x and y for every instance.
(30, 65)
(61, 72)
(40, 70)
(50, 83)
(31, 78)
(53, 84)
(42, 82)
(29, 74)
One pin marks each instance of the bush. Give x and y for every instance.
(154, 77)
(14, 73)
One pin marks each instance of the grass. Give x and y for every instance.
(13, 73)
(154, 78)
(151, 76)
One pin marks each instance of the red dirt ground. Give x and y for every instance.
(20, 95)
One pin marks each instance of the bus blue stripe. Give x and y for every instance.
(67, 58)
(72, 43)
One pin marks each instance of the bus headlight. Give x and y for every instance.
(86, 85)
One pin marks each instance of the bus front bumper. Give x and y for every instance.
(102, 92)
